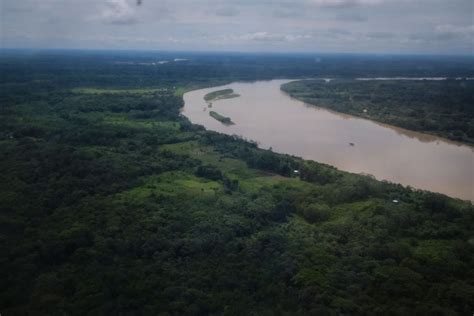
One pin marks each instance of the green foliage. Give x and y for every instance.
(315, 213)
(209, 172)
(220, 118)
(443, 108)
(115, 204)
(220, 94)
(115, 91)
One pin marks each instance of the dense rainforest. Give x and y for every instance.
(114, 203)
(444, 108)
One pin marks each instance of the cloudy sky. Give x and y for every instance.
(359, 26)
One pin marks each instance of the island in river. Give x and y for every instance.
(220, 95)
(223, 119)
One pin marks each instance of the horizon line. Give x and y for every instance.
(203, 52)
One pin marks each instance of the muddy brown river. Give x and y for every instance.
(270, 117)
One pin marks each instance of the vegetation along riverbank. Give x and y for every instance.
(444, 108)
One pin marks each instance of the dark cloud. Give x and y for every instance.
(449, 32)
(119, 12)
(443, 33)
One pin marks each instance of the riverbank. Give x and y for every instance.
(438, 106)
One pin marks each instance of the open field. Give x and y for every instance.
(117, 91)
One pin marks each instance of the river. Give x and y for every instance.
(267, 115)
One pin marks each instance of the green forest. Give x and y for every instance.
(113, 203)
(444, 108)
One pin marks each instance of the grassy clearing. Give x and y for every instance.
(208, 156)
(172, 184)
(116, 90)
(434, 251)
(122, 120)
(181, 90)
(254, 185)
(251, 180)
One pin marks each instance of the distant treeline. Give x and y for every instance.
(95, 68)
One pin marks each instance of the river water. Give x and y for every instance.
(267, 115)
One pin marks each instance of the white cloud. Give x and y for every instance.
(260, 36)
(267, 37)
(119, 12)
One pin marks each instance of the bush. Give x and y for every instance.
(315, 213)
(209, 172)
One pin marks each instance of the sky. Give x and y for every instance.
(325, 26)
